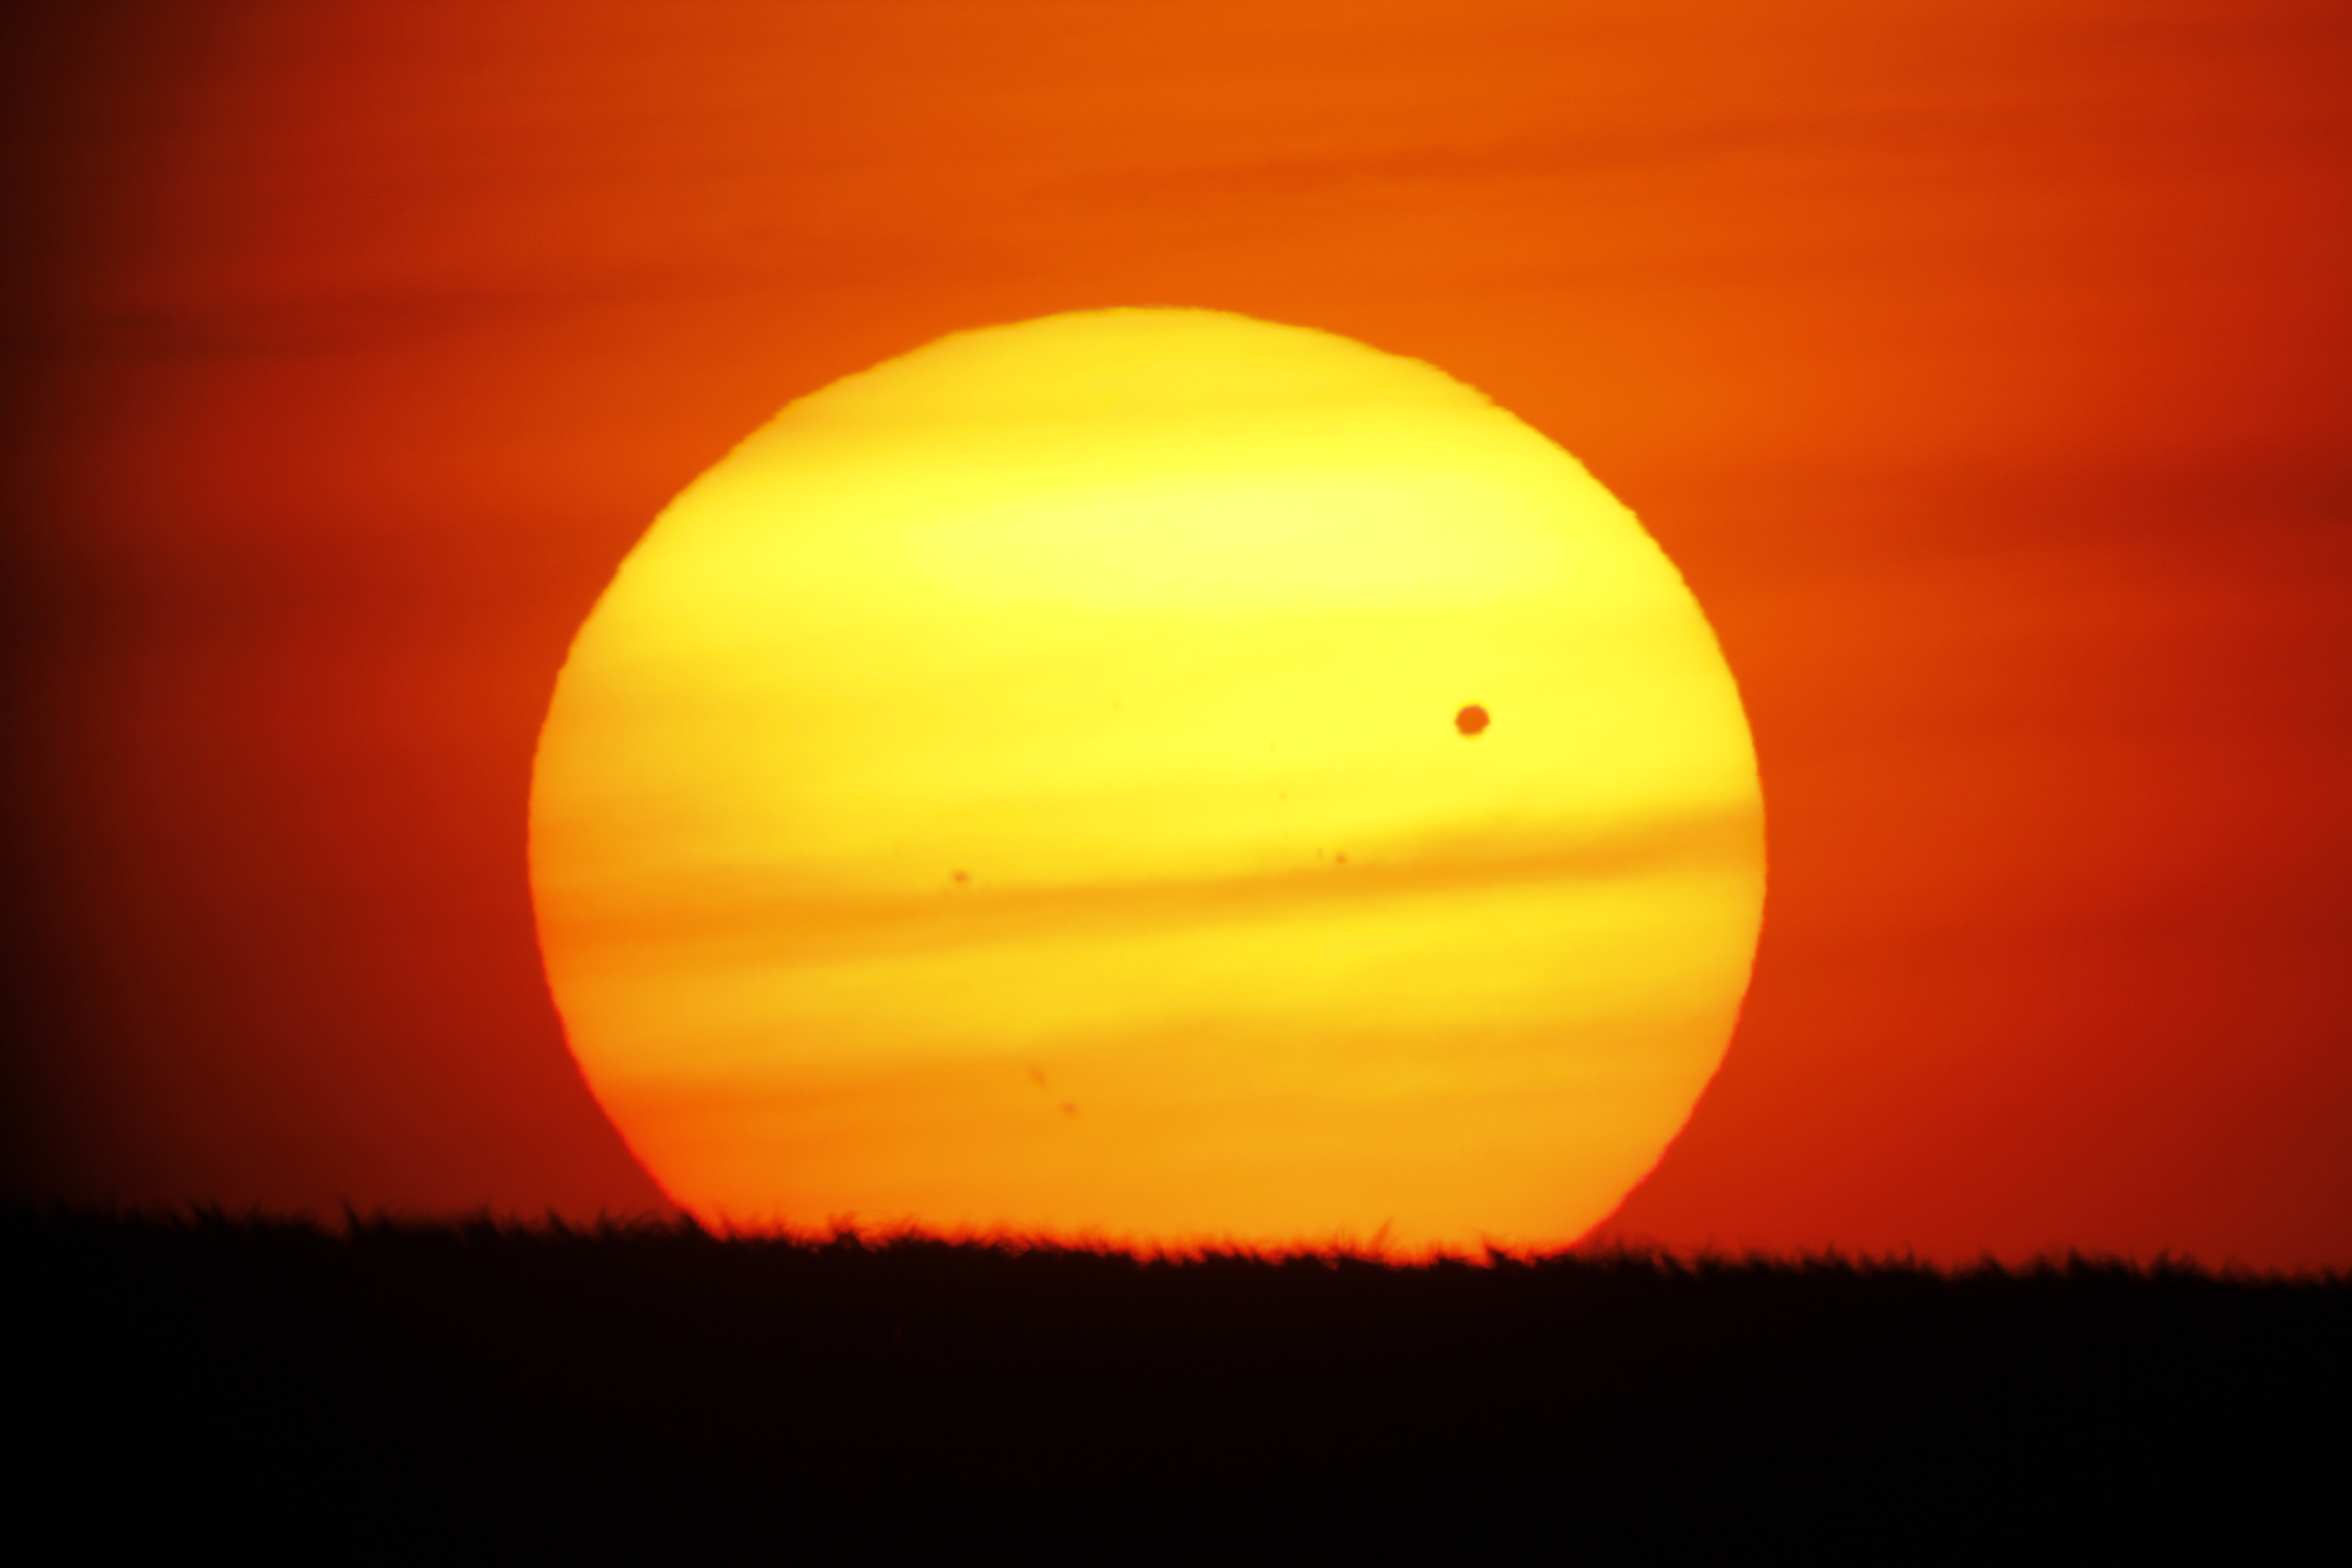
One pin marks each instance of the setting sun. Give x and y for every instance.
(1150, 773)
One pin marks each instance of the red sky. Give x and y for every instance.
(1986, 368)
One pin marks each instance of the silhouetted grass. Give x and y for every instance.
(407, 1391)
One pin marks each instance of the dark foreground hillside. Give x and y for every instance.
(416, 1392)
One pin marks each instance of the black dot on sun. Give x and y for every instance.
(1473, 720)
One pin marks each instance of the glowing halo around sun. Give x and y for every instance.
(1155, 775)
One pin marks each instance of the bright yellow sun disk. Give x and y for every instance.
(1020, 786)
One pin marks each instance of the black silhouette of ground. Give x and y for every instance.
(425, 1391)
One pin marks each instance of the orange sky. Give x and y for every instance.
(1983, 366)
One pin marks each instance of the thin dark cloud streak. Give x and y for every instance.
(734, 912)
